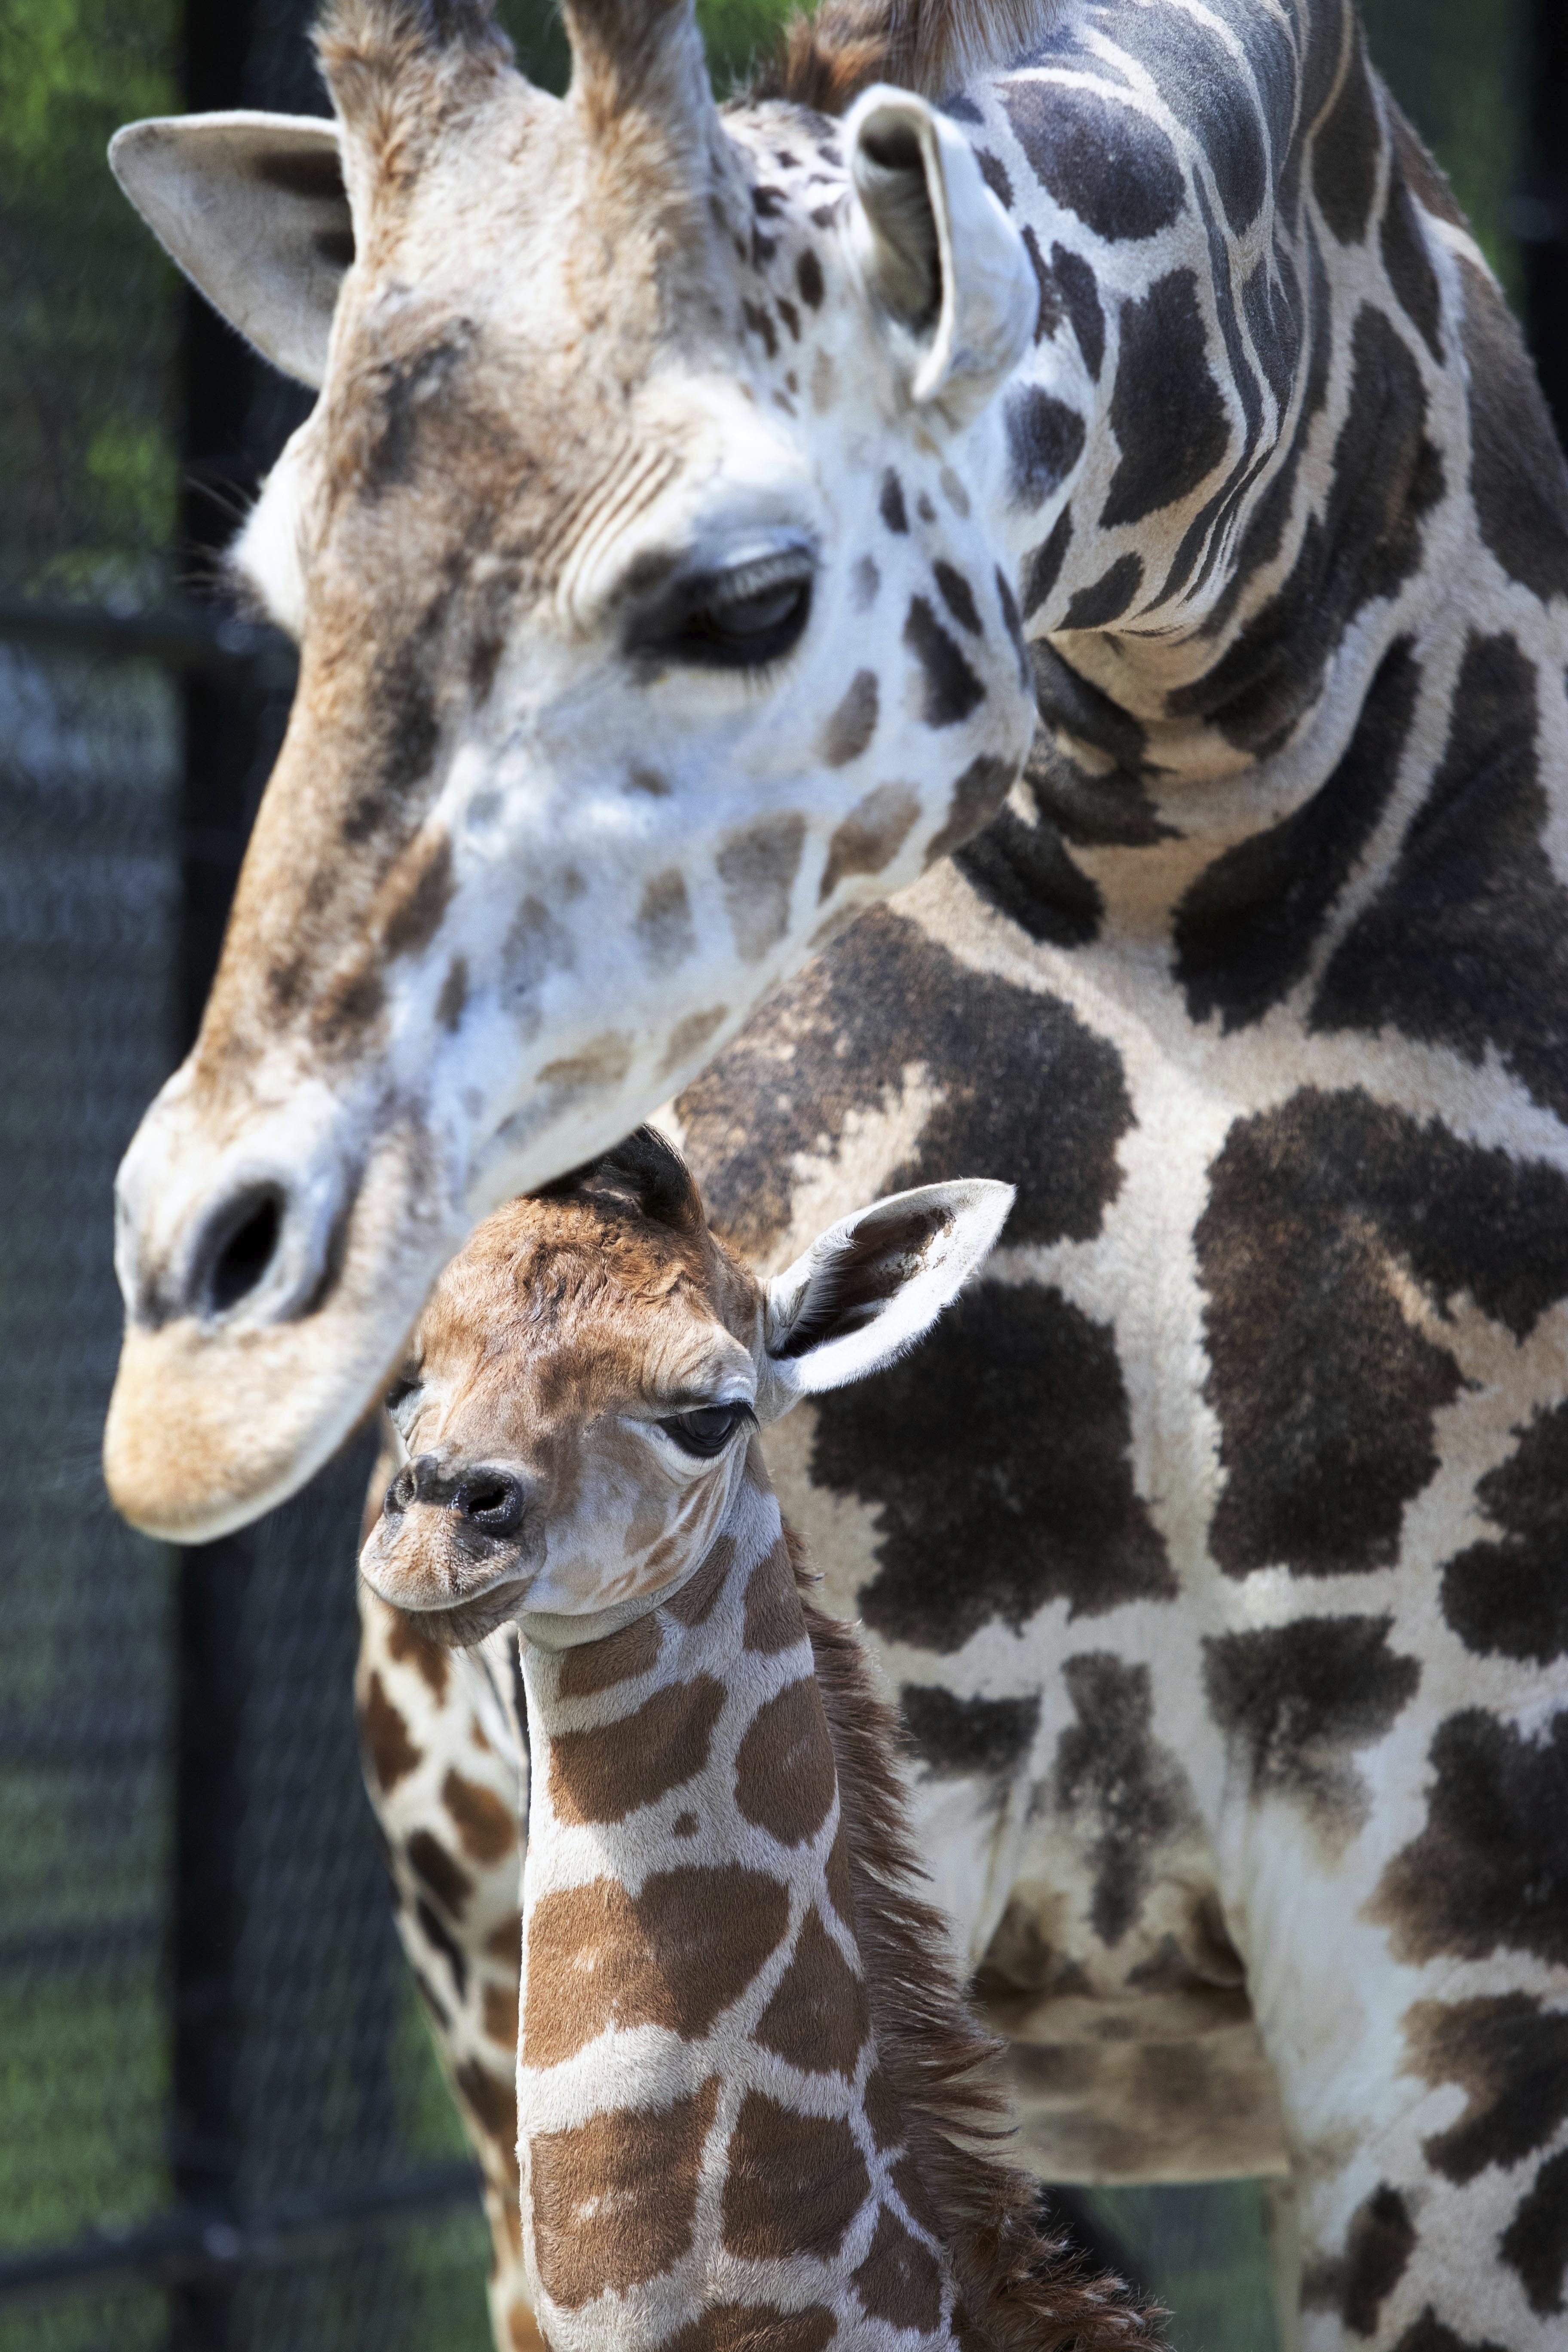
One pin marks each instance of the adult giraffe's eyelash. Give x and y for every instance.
(742, 619)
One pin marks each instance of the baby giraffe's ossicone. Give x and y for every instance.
(748, 2087)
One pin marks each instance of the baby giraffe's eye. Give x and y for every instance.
(707, 1428)
(402, 1389)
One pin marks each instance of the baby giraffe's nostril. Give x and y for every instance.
(400, 1494)
(491, 1501)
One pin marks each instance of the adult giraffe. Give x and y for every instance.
(659, 548)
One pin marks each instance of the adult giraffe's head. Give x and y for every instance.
(607, 709)
(655, 552)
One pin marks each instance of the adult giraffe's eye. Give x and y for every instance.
(708, 1429)
(741, 619)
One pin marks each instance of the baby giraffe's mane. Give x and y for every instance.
(1021, 2289)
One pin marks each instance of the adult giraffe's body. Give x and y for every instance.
(1214, 1546)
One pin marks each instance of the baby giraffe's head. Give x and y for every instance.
(576, 1410)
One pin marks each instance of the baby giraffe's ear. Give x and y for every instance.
(871, 1286)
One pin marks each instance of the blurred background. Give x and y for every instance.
(221, 2122)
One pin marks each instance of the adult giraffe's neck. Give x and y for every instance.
(1291, 681)
(706, 2133)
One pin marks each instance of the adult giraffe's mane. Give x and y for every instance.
(826, 59)
(1021, 2290)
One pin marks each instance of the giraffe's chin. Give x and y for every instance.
(468, 1623)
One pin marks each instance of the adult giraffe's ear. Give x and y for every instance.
(942, 265)
(871, 1286)
(252, 208)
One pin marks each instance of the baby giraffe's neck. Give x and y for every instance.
(743, 2053)
(706, 2140)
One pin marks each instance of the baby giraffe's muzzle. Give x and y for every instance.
(491, 1502)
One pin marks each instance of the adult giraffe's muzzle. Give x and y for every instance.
(268, 1288)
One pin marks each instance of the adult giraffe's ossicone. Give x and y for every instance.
(589, 749)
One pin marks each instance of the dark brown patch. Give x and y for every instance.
(754, 2328)
(687, 1947)
(487, 1829)
(936, 1445)
(1345, 151)
(1490, 1868)
(500, 2015)
(349, 1006)
(1245, 931)
(613, 2200)
(384, 1737)
(818, 2018)
(1508, 1597)
(870, 836)
(1324, 1388)
(693, 1604)
(689, 1036)
(1466, 944)
(882, 2110)
(853, 724)
(794, 2185)
(958, 596)
(1027, 1092)
(1298, 1700)
(773, 1618)
(454, 993)
(1125, 1794)
(757, 867)
(951, 689)
(505, 1942)
(1409, 265)
(595, 1666)
(783, 1770)
(808, 277)
(445, 1877)
(419, 898)
(493, 2103)
(905, 2177)
(898, 2281)
(976, 797)
(963, 1736)
(606, 1774)
(1510, 2057)
(1535, 2243)
(1378, 2245)
(409, 1647)
(664, 926)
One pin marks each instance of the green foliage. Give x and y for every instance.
(736, 32)
(88, 310)
(1454, 66)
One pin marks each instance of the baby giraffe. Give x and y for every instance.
(749, 2092)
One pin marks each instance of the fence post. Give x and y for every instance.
(221, 715)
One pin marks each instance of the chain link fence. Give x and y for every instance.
(221, 2121)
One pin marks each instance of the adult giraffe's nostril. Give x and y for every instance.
(491, 1501)
(242, 1242)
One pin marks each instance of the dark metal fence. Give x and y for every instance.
(221, 2122)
